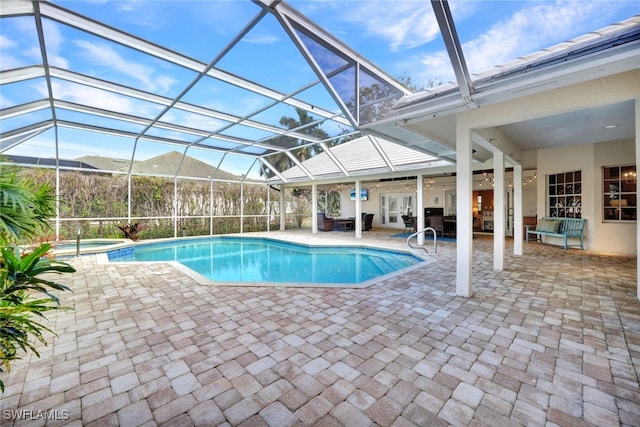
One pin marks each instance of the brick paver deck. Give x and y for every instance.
(554, 339)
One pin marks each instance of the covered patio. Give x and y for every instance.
(147, 345)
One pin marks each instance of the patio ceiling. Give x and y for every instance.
(225, 109)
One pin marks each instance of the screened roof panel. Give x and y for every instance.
(119, 71)
(95, 120)
(34, 142)
(238, 166)
(194, 120)
(318, 95)
(24, 120)
(224, 97)
(15, 139)
(247, 132)
(246, 59)
(327, 59)
(20, 46)
(344, 83)
(219, 143)
(23, 92)
(210, 25)
(376, 97)
(254, 150)
(96, 56)
(104, 99)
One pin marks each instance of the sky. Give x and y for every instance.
(401, 37)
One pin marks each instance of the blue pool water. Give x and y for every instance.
(232, 259)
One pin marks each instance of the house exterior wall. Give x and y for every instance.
(600, 236)
(614, 237)
(607, 237)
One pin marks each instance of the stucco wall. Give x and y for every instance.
(607, 237)
(612, 237)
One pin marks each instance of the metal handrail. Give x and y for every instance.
(435, 240)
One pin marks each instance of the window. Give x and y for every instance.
(619, 199)
(565, 194)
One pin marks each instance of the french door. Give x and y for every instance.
(393, 206)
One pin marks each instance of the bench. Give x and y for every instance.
(557, 227)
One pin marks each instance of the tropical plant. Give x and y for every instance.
(131, 230)
(24, 206)
(24, 211)
(19, 282)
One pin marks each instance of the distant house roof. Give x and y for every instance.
(106, 163)
(39, 161)
(168, 163)
(164, 164)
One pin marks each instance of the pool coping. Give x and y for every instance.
(110, 244)
(426, 259)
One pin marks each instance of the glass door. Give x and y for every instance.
(393, 206)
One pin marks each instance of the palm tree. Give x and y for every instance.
(302, 124)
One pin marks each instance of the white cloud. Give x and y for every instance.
(403, 25)
(535, 26)
(85, 95)
(6, 42)
(261, 39)
(105, 56)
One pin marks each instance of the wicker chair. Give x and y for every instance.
(324, 223)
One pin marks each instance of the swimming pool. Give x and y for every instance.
(262, 260)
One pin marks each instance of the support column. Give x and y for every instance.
(464, 211)
(358, 224)
(420, 208)
(283, 219)
(518, 233)
(499, 222)
(314, 208)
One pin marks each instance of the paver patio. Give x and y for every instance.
(554, 339)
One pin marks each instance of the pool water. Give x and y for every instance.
(229, 259)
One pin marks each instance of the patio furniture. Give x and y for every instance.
(437, 223)
(409, 222)
(450, 225)
(345, 224)
(558, 227)
(324, 223)
(367, 222)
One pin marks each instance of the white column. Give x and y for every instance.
(464, 211)
(517, 210)
(314, 208)
(499, 222)
(420, 208)
(358, 210)
(638, 163)
(282, 208)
